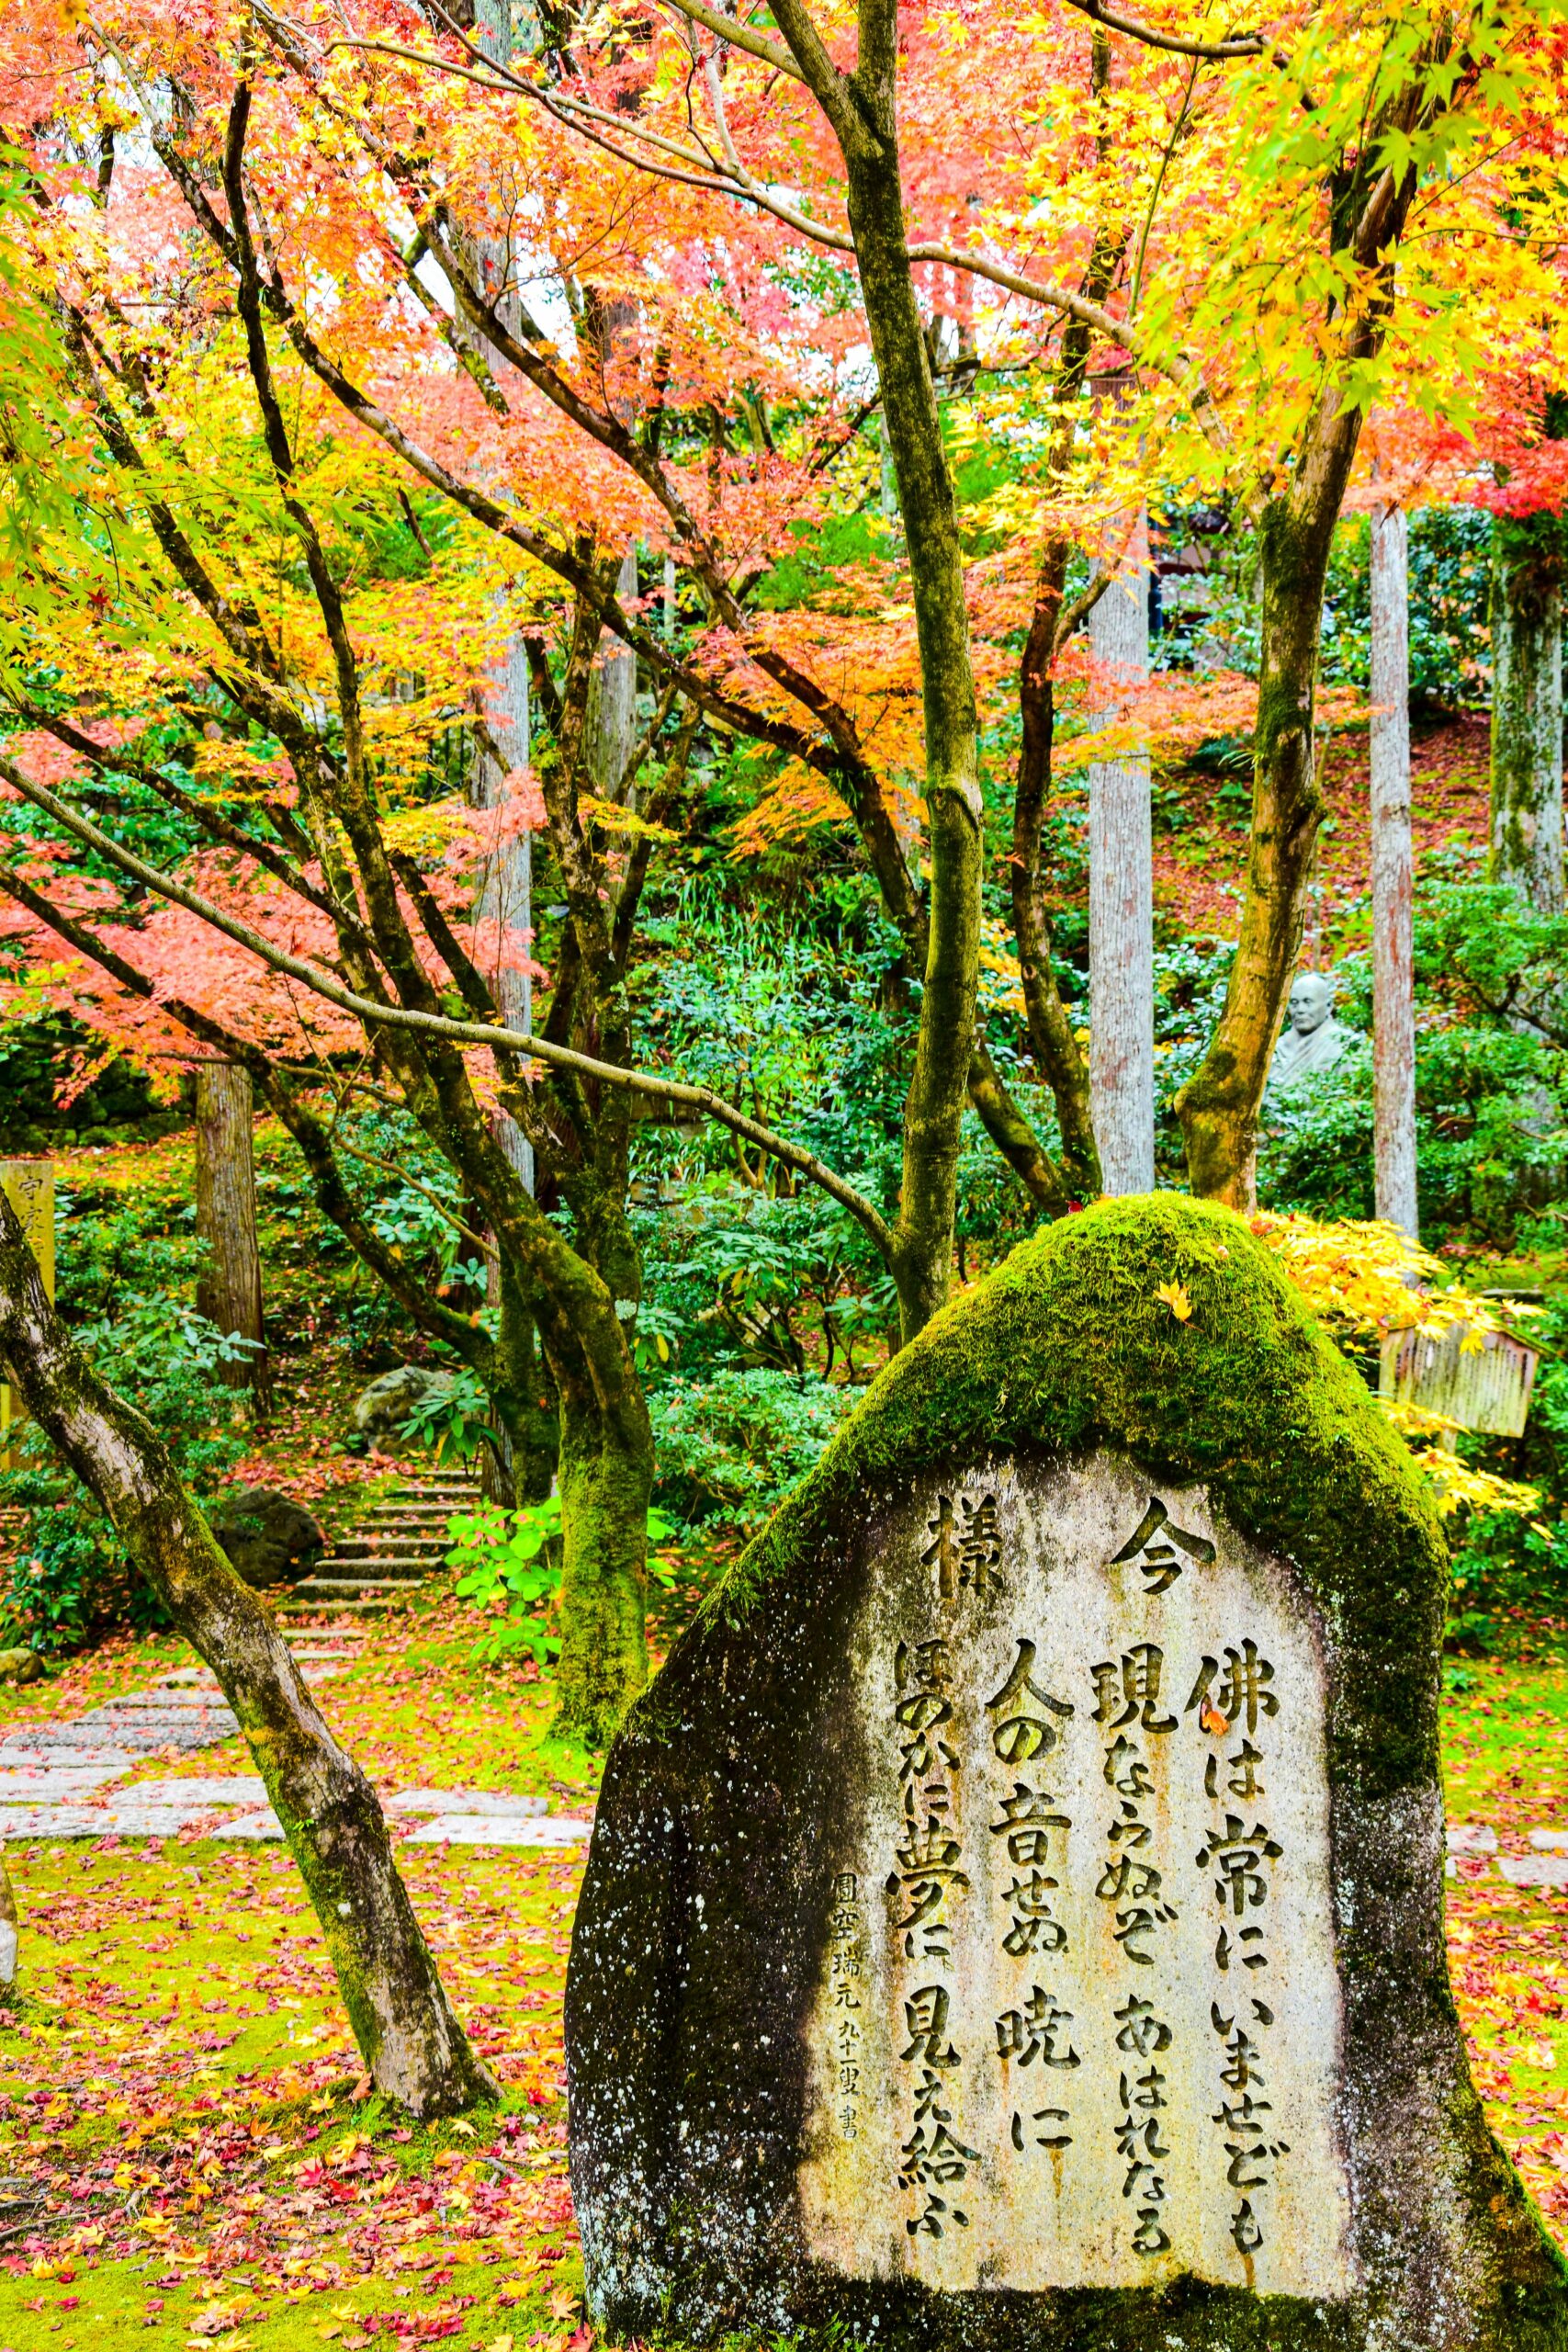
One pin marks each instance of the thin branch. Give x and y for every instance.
(1237, 45)
(467, 1033)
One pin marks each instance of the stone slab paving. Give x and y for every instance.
(49, 1771)
(1534, 1869)
(111, 1761)
(488, 1829)
(45, 1784)
(495, 1803)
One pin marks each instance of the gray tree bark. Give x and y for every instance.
(229, 1288)
(1120, 900)
(611, 728)
(506, 890)
(1527, 708)
(1393, 1000)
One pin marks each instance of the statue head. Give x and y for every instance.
(1312, 1001)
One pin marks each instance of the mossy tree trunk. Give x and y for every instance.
(861, 109)
(1367, 205)
(606, 1478)
(1526, 708)
(414, 2049)
(228, 1287)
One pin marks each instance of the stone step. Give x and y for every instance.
(397, 1571)
(374, 1606)
(388, 1539)
(315, 1586)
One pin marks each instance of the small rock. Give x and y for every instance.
(269, 1538)
(21, 1666)
(382, 1410)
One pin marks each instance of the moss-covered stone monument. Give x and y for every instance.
(1015, 1912)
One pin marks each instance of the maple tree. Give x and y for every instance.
(656, 339)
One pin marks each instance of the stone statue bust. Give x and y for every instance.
(1311, 1040)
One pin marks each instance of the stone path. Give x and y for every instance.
(1546, 1866)
(60, 1780)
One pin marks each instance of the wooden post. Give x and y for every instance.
(229, 1289)
(1121, 900)
(1394, 1004)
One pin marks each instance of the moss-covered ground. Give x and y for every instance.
(179, 2090)
(187, 2147)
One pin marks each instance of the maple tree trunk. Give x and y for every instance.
(606, 1478)
(1526, 708)
(413, 2047)
(1218, 1105)
(1393, 1002)
(1120, 903)
(938, 1086)
(229, 1289)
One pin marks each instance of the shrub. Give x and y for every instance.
(729, 1450)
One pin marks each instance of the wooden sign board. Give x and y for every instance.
(1485, 1387)
(29, 1187)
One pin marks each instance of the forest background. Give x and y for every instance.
(450, 455)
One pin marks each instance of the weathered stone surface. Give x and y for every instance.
(21, 1664)
(265, 1825)
(1471, 1837)
(469, 1800)
(380, 1409)
(1534, 1869)
(497, 1830)
(92, 1756)
(41, 1785)
(1550, 1841)
(203, 1791)
(18, 1821)
(1015, 1912)
(269, 1538)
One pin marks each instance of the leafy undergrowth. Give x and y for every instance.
(1506, 1762)
(189, 2151)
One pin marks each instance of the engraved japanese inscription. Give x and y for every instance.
(1080, 2022)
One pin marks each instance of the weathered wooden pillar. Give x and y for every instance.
(1120, 898)
(229, 1288)
(1393, 1002)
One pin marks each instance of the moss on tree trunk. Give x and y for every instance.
(414, 2049)
(606, 1477)
(1526, 708)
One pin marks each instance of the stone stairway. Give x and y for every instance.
(389, 1554)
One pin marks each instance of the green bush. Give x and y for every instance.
(70, 1579)
(729, 1450)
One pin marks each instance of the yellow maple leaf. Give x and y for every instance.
(1175, 1298)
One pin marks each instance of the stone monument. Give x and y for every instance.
(1014, 1914)
(1311, 1040)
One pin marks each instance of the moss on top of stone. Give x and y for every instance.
(1070, 1345)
